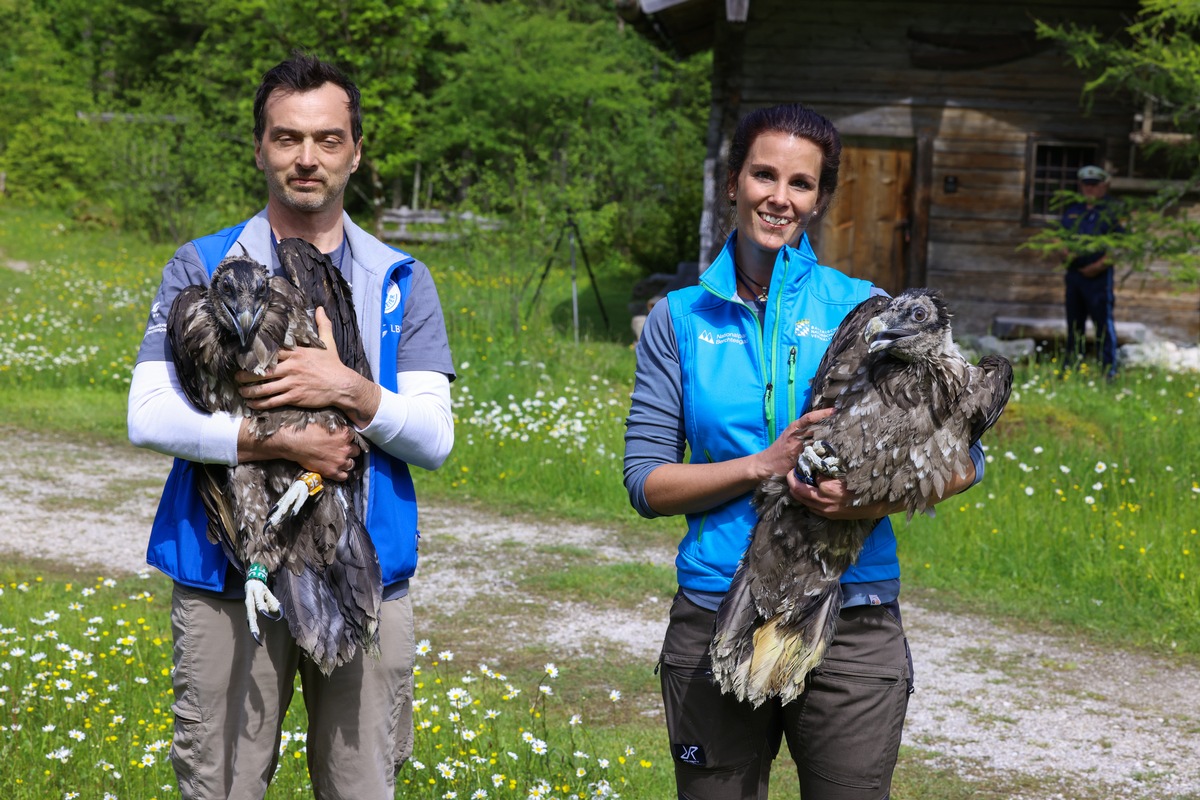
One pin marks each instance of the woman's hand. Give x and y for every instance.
(780, 457)
(830, 497)
(698, 487)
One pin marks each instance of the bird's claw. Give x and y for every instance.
(818, 458)
(289, 504)
(259, 600)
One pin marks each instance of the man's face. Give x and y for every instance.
(1093, 190)
(307, 152)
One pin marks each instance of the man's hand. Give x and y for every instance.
(317, 449)
(312, 377)
(1095, 268)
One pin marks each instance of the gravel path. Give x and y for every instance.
(994, 703)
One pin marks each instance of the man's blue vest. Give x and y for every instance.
(744, 382)
(179, 544)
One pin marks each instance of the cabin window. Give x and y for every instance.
(1051, 167)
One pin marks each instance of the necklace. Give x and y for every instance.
(760, 293)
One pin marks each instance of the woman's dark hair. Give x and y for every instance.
(792, 119)
(303, 73)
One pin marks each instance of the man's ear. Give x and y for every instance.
(258, 161)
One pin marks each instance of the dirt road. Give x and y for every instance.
(992, 701)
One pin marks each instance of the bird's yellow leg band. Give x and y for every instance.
(313, 481)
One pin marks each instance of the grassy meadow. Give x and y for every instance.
(1086, 522)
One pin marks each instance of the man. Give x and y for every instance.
(1089, 276)
(230, 693)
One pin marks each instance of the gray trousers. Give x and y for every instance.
(843, 731)
(231, 696)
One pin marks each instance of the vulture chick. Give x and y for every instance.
(907, 408)
(277, 523)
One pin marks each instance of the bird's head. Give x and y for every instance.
(238, 293)
(913, 326)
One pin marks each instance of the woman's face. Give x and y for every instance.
(776, 192)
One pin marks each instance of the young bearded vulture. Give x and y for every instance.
(907, 408)
(313, 551)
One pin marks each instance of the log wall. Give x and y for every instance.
(856, 61)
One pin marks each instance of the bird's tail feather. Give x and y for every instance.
(733, 636)
(357, 582)
(314, 617)
(784, 655)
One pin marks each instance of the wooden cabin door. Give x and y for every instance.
(865, 232)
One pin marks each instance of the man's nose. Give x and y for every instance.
(307, 156)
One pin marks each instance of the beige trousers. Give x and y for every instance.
(231, 696)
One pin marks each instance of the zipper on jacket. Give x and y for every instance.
(791, 383)
(768, 406)
(772, 369)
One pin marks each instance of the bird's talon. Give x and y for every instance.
(820, 457)
(289, 504)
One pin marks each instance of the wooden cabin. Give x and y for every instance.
(958, 124)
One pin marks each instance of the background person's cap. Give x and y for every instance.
(1092, 173)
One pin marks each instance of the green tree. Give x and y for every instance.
(1156, 62)
(539, 110)
(47, 151)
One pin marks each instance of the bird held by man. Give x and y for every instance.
(907, 406)
(276, 522)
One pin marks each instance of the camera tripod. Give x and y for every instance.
(571, 230)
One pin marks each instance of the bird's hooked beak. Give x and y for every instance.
(880, 337)
(245, 320)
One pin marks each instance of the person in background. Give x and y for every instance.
(1089, 277)
(230, 693)
(723, 372)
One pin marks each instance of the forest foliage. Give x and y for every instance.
(137, 113)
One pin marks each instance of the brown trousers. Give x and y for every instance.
(843, 731)
(231, 696)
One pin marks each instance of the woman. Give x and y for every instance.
(723, 370)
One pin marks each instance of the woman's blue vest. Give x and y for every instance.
(744, 382)
(179, 544)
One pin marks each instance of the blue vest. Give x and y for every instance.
(744, 382)
(179, 544)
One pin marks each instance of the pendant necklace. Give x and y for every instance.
(760, 293)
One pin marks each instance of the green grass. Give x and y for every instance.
(1088, 515)
(86, 696)
(600, 584)
(1086, 523)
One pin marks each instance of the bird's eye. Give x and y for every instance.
(920, 314)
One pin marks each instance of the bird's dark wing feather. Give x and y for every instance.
(847, 353)
(201, 363)
(988, 393)
(313, 273)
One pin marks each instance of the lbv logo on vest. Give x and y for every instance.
(806, 330)
(732, 337)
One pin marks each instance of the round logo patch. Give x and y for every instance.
(393, 298)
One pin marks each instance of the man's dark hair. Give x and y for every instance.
(792, 119)
(303, 73)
